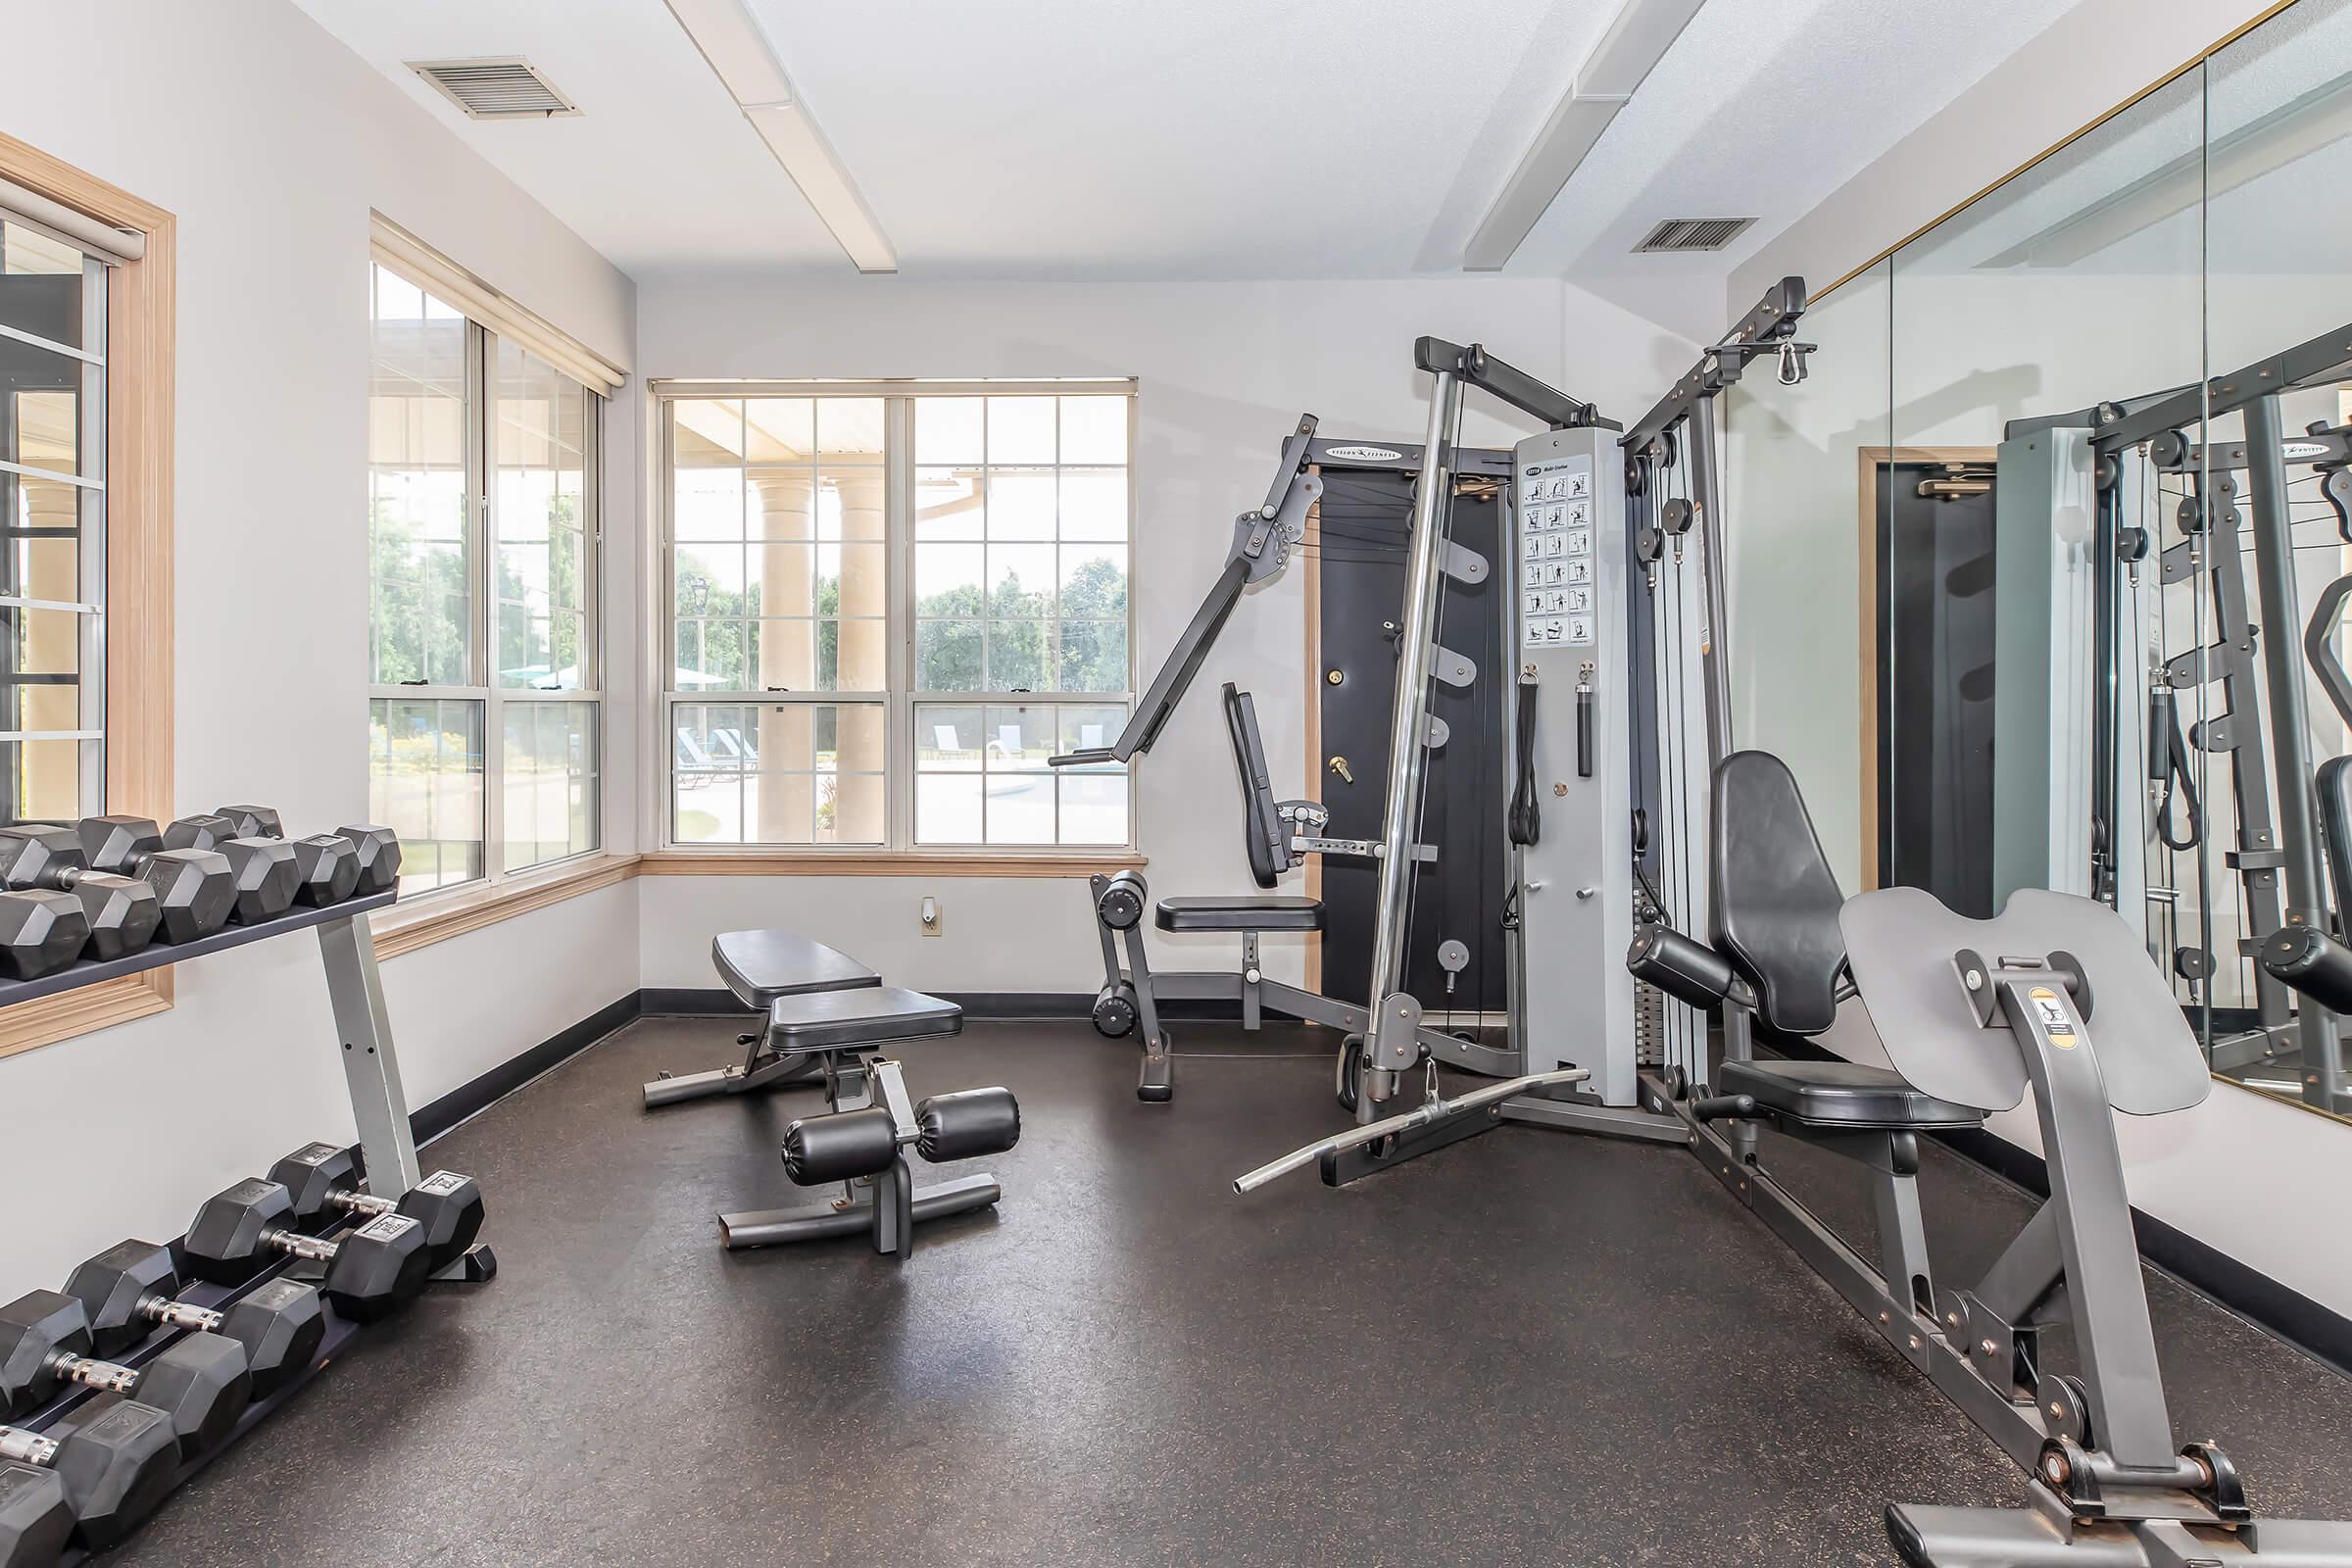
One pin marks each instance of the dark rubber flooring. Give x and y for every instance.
(1532, 1347)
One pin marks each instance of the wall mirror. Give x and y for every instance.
(2043, 578)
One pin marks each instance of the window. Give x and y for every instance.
(889, 606)
(53, 510)
(483, 539)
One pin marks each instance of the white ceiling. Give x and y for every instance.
(1207, 139)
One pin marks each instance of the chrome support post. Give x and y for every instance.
(1390, 1046)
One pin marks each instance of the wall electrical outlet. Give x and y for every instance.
(931, 918)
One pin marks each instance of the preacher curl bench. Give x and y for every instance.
(825, 1016)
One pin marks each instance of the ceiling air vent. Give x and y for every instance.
(1691, 234)
(503, 87)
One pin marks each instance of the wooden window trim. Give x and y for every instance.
(887, 863)
(436, 917)
(141, 322)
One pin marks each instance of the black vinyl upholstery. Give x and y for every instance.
(1843, 1096)
(830, 1020)
(759, 966)
(2336, 824)
(1273, 913)
(1775, 900)
(1261, 821)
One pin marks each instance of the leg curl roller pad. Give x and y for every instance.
(966, 1124)
(840, 1147)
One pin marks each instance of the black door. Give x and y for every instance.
(1936, 645)
(1365, 522)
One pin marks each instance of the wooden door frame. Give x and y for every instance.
(1311, 546)
(1868, 462)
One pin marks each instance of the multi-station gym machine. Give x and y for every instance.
(1651, 818)
(2096, 771)
(1609, 576)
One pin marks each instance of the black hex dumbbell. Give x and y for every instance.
(197, 889)
(265, 870)
(325, 1182)
(109, 1464)
(371, 1272)
(121, 912)
(331, 863)
(132, 1288)
(200, 1382)
(40, 933)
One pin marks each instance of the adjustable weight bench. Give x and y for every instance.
(826, 1017)
(759, 967)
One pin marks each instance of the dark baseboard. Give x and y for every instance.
(2320, 1332)
(479, 1094)
(2317, 1329)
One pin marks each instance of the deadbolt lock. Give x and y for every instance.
(1338, 766)
(1334, 677)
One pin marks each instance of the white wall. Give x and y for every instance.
(1225, 370)
(271, 142)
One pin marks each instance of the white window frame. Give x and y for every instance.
(482, 340)
(900, 700)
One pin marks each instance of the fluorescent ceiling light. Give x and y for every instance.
(811, 162)
(1628, 48)
(731, 41)
(1575, 126)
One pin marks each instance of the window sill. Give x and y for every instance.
(888, 863)
(436, 917)
(32, 1024)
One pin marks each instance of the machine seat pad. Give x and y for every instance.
(867, 1015)
(1776, 900)
(1275, 911)
(1840, 1094)
(759, 966)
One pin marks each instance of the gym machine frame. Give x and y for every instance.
(2278, 863)
(1264, 538)
(1615, 652)
(2131, 1501)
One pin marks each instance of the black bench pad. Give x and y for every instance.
(1840, 1094)
(759, 966)
(1269, 912)
(867, 1015)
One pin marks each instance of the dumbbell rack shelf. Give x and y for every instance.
(157, 955)
(379, 1102)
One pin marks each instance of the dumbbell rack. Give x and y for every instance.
(352, 985)
(379, 1102)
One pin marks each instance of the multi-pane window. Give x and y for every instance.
(853, 571)
(53, 519)
(483, 533)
